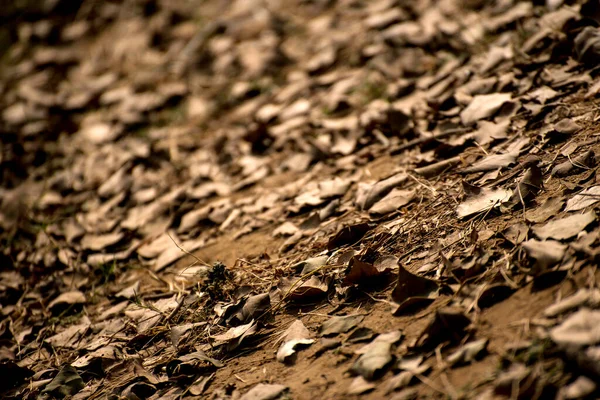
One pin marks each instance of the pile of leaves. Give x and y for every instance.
(212, 199)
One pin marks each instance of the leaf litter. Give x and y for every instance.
(322, 167)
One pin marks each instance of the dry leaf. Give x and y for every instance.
(565, 228)
(336, 325)
(264, 391)
(375, 356)
(584, 199)
(369, 194)
(392, 201)
(296, 335)
(485, 200)
(413, 291)
(468, 352)
(580, 329)
(545, 253)
(483, 106)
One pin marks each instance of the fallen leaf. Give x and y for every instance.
(468, 352)
(413, 291)
(447, 325)
(580, 329)
(101, 242)
(492, 162)
(483, 106)
(527, 188)
(399, 381)
(285, 229)
(580, 388)
(392, 201)
(334, 187)
(551, 207)
(361, 334)
(106, 355)
(488, 131)
(584, 199)
(589, 297)
(566, 126)
(584, 161)
(66, 383)
(361, 271)
(179, 332)
(70, 337)
(340, 324)
(296, 335)
(391, 337)
(516, 233)
(199, 385)
(65, 300)
(369, 194)
(234, 337)
(310, 264)
(587, 44)
(375, 356)
(253, 308)
(545, 253)
(565, 228)
(348, 235)
(148, 317)
(517, 380)
(312, 288)
(485, 200)
(359, 386)
(264, 391)
(188, 365)
(130, 291)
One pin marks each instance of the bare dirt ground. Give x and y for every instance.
(299, 199)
